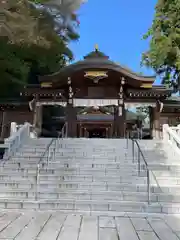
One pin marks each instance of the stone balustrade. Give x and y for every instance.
(176, 129)
(19, 134)
(172, 136)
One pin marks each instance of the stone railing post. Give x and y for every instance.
(171, 136)
(13, 128)
(165, 134)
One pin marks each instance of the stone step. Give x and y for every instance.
(42, 186)
(68, 174)
(76, 164)
(85, 205)
(154, 167)
(34, 160)
(168, 181)
(98, 181)
(87, 195)
(121, 158)
(76, 178)
(54, 174)
(34, 146)
(90, 175)
(117, 177)
(99, 152)
(167, 173)
(73, 167)
(61, 148)
(162, 167)
(154, 197)
(68, 170)
(69, 163)
(81, 158)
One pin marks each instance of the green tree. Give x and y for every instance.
(164, 51)
(142, 112)
(33, 42)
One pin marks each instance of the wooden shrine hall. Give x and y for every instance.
(94, 95)
(97, 83)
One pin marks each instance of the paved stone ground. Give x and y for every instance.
(31, 225)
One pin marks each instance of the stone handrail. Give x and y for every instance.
(15, 127)
(14, 142)
(172, 136)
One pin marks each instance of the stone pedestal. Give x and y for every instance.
(13, 128)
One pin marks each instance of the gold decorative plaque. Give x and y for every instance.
(96, 74)
(46, 84)
(146, 85)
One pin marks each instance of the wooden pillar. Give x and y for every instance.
(156, 121)
(121, 111)
(38, 112)
(107, 132)
(71, 112)
(80, 130)
(71, 120)
(151, 121)
(115, 123)
(111, 131)
(121, 122)
(3, 124)
(86, 133)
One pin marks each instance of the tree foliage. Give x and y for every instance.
(33, 41)
(164, 51)
(143, 112)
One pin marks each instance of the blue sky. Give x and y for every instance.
(117, 26)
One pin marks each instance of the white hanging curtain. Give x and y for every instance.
(51, 103)
(108, 102)
(94, 102)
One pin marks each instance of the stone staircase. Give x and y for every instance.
(90, 175)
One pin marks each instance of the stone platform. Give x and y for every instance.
(51, 225)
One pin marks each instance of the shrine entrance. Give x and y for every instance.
(53, 119)
(95, 122)
(97, 133)
(49, 118)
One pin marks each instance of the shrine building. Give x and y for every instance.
(93, 97)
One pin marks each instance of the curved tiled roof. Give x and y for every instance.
(98, 60)
(96, 54)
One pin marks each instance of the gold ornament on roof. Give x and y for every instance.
(96, 47)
